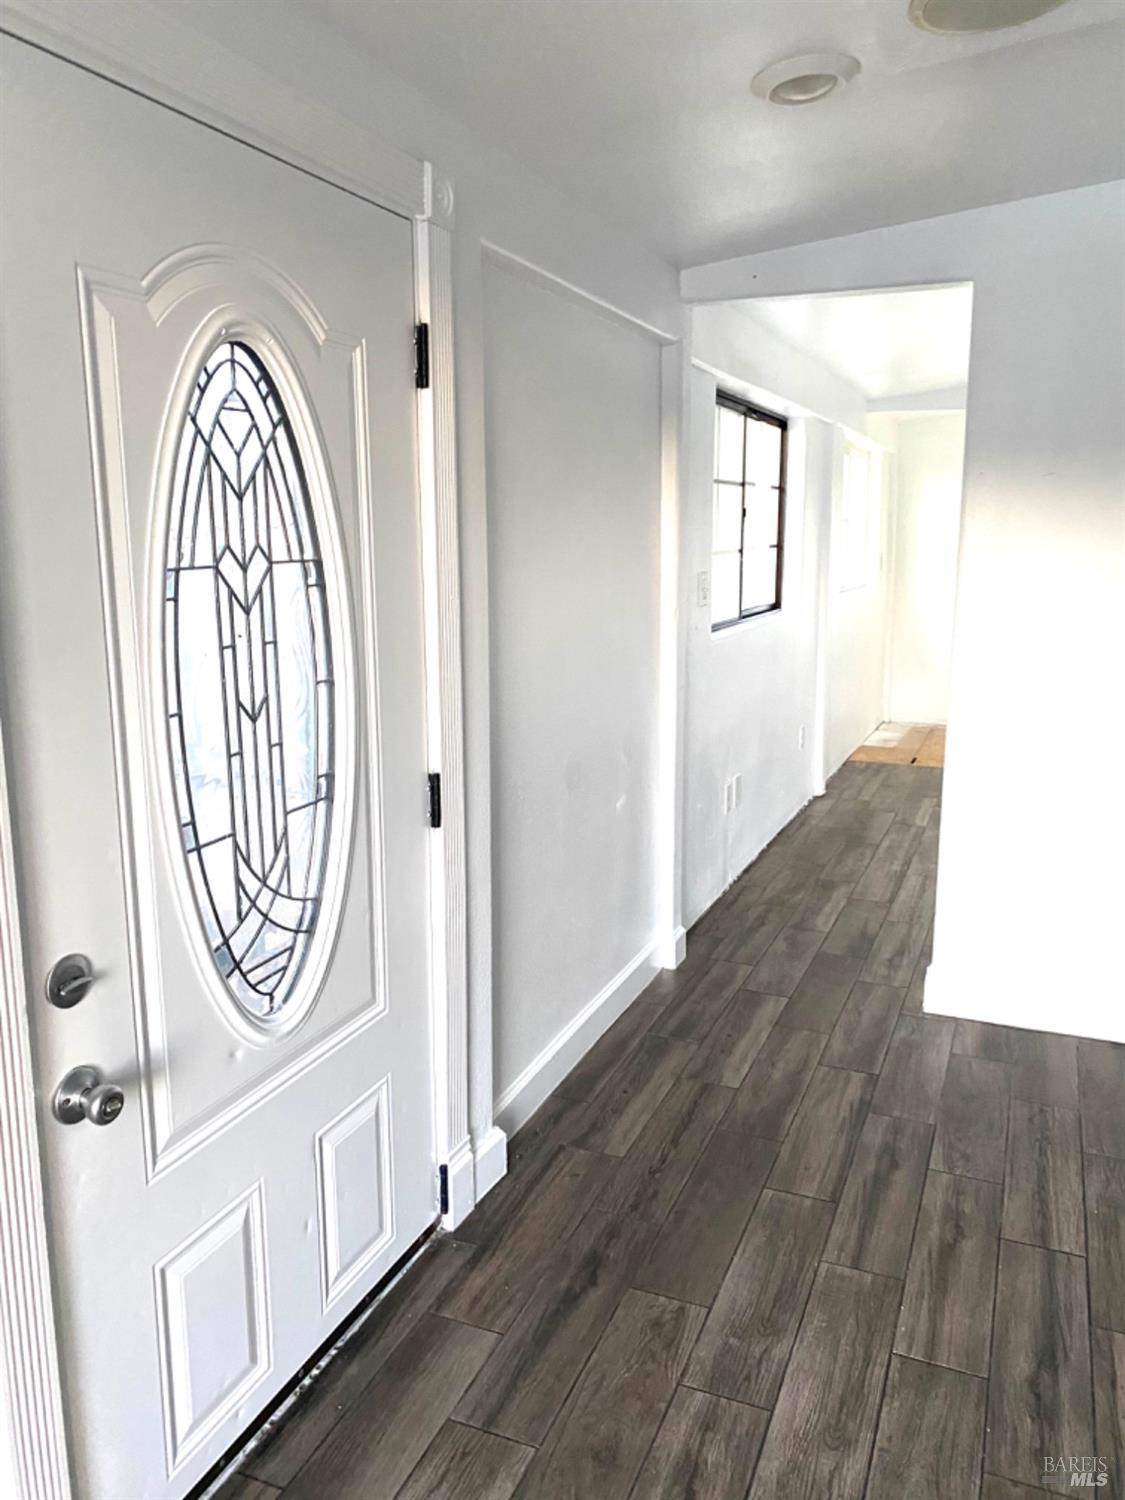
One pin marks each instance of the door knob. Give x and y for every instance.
(83, 1095)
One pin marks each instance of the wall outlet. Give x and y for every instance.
(703, 588)
(801, 738)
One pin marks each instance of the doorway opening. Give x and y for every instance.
(844, 687)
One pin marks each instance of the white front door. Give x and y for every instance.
(212, 645)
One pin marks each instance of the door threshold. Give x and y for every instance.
(289, 1395)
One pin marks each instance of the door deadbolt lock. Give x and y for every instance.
(83, 1095)
(70, 980)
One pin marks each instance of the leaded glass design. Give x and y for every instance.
(248, 670)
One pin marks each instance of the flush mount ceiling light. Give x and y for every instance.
(804, 80)
(954, 17)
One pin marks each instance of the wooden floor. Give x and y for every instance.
(904, 745)
(778, 1234)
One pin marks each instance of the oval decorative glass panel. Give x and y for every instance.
(248, 678)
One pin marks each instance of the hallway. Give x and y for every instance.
(778, 1234)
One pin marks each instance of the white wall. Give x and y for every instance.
(1031, 879)
(752, 688)
(573, 451)
(925, 527)
(303, 71)
(731, 338)
(856, 628)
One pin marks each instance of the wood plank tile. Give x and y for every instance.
(874, 1224)
(462, 1462)
(814, 1157)
(912, 1005)
(795, 882)
(862, 821)
(620, 1109)
(915, 896)
(779, 970)
(339, 1385)
(820, 1437)
(491, 1291)
(749, 937)
(856, 929)
(706, 1448)
(745, 1343)
(863, 1033)
(930, 1435)
(376, 1444)
(1105, 1230)
(821, 839)
(972, 1118)
(530, 1152)
(1039, 1380)
(690, 1016)
(1043, 1178)
(668, 983)
(242, 1487)
(1048, 1070)
(1109, 1407)
(774, 1087)
(726, 1053)
(1101, 1068)
(895, 952)
(913, 1074)
(604, 1431)
(816, 1003)
(693, 1247)
(850, 860)
(947, 1305)
(648, 1180)
(1044, 1066)
(823, 904)
(521, 1388)
(996, 1488)
(608, 1052)
(880, 881)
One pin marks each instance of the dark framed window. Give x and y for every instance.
(748, 526)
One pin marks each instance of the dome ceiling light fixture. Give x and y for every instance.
(804, 79)
(961, 17)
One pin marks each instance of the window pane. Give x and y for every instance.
(729, 427)
(248, 680)
(763, 453)
(763, 507)
(727, 533)
(724, 587)
(759, 577)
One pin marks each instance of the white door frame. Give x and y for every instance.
(33, 1446)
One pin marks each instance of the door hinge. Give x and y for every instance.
(422, 356)
(443, 1188)
(433, 781)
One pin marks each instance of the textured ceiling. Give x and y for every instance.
(642, 107)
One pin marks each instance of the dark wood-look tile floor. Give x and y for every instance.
(778, 1235)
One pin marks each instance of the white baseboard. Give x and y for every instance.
(462, 1189)
(672, 950)
(491, 1160)
(1002, 1000)
(525, 1094)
